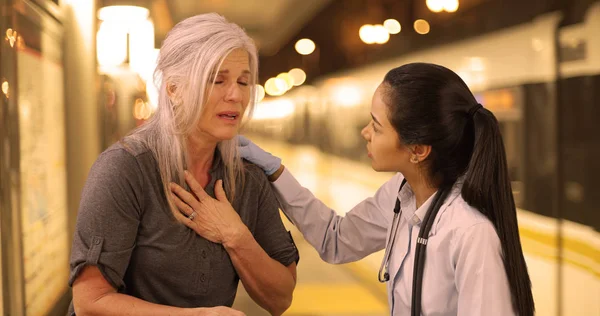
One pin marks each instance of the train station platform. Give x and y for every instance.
(353, 289)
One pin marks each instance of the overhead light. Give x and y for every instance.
(289, 81)
(260, 93)
(5, 87)
(421, 26)
(142, 56)
(11, 37)
(366, 33)
(141, 110)
(275, 86)
(442, 5)
(126, 29)
(298, 75)
(451, 5)
(123, 13)
(305, 46)
(371, 34)
(111, 44)
(381, 35)
(392, 26)
(435, 5)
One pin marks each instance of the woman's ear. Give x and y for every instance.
(171, 91)
(420, 153)
(171, 88)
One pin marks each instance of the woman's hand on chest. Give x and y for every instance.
(213, 219)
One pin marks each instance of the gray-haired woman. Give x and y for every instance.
(149, 239)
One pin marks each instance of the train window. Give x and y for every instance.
(511, 134)
(572, 51)
(507, 105)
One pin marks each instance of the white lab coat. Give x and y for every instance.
(464, 273)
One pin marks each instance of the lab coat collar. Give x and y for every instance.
(407, 199)
(408, 202)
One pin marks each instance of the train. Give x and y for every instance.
(540, 79)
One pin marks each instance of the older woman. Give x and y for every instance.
(150, 238)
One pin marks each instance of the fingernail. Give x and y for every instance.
(186, 172)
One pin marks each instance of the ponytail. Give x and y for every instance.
(487, 188)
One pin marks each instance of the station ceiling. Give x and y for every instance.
(271, 23)
(333, 25)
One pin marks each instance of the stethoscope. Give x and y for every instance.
(419, 263)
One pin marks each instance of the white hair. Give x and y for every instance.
(189, 58)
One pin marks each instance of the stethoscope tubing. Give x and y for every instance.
(419, 263)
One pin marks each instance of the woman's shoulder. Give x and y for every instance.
(131, 145)
(254, 174)
(123, 154)
(461, 216)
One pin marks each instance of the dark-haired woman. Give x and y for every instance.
(447, 219)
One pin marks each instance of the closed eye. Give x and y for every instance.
(218, 80)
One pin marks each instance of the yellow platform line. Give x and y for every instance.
(339, 299)
(577, 246)
(530, 247)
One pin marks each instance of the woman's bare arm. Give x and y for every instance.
(94, 296)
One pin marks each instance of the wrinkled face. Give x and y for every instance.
(383, 145)
(227, 98)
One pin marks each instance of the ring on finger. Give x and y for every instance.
(192, 216)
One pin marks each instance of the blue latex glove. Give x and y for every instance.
(249, 151)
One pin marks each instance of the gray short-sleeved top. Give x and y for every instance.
(125, 227)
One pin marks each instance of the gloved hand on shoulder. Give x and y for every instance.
(251, 152)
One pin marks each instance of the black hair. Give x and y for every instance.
(431, 105)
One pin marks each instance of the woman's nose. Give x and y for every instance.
(234, 94)
(365, 133)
